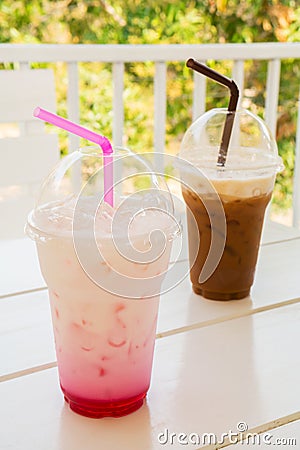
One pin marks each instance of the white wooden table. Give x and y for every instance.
(216, 364)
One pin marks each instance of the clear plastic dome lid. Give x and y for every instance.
(73, 195)
(251, 148)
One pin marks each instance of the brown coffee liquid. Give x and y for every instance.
(233, 277)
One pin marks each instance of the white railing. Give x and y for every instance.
(118, 55)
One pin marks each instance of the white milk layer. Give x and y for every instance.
(230, 187)
(246, 174)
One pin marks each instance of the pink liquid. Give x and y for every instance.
(105, 372)
(104, 342)
(98, 409)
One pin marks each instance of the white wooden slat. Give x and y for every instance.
(245, 370)
(26, 319)
(24, 65)
(199, 94)
(19, 267)
(162, 52)
(179, 307)
(73, 103)
(18, 275)
(27, 159)
(24, 126)
(118, 104)
(296, 180)
(274, 232)
(272, 91)
(14, 209)
(160, 108)
(238, 77)
(217, 376)
(25, 162)
(74, 116)
(21, 91)
(285, 436)
(31, 127)
(34, 127)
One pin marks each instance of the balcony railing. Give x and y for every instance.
(23, 55)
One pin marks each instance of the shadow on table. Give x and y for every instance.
(126, 433)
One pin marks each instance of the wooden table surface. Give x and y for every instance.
(218, 366)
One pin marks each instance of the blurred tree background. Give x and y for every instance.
(168, 22)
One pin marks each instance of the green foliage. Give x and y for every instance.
(170, 22)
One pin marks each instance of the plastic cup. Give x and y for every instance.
(235, 212)
(104, 271)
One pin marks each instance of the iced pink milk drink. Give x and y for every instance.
(104, 268)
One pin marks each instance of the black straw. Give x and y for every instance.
(234, 97)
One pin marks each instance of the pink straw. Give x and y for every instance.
(102, 141)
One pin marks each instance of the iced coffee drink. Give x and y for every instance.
(234, 274)
(242, 190)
